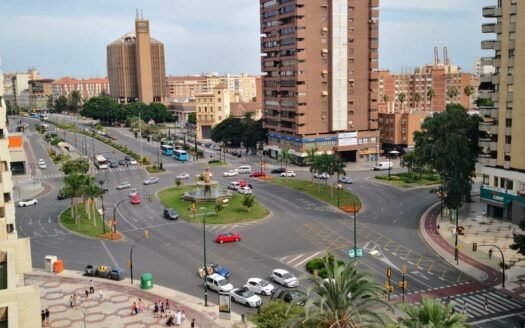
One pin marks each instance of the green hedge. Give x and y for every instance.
(318, 264)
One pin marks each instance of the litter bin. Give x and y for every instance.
(58, 266)
(50, 261)
(146, 281)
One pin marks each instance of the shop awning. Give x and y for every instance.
(505, 202)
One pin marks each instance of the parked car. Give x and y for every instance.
(284, 278)
(116, 274)
(151, 180)
(345, 179)
(27, 202)
(90, 270)
(113, 164)
(322, 175)
(41, 161)
(135, 199)
(245, 190)
(122, 162)
(218, 283)
(259, 286)
(228, 237)
(62, 194)
(278, 170)
(123, 185)
(257, 174)
(127, 158)
(215, 268)
(182, 176)
(133, 162)
(289, 174)
(230, 173)
(133, 192)
(103, 271)
(245, 297)
(293, 296)
(171, 214)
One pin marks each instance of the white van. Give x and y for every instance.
(234, 185)
(383, 166)
(244, 169)
(218, 283)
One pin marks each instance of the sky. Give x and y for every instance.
(69, 37)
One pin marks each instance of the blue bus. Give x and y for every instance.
(180, 155)
(166, 150)
(35, 115)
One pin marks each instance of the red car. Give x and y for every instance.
(258, 174)
(135, 199)
(228, 237)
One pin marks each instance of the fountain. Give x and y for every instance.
(207, 190)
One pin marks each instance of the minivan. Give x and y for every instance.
(218, 283)
(244, 169)
(383, 166)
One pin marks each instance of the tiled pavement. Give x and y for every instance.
(114, 309)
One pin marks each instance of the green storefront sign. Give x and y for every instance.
(499, 197)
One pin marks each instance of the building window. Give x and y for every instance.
(10, 227)
(485, 179)
(495, 181)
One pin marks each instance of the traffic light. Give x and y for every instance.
(474, 247)
(389, 272)
(403, 284)
(404, 269)
(387, 286)
(193, 207)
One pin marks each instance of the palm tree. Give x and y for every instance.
(310, 160)
(452, 92)
(91, 191)
(73, 184)
(218, 207)
(248, 201)
(338, 167)
(469, 91)
(431, 313)
(401, 98)
(346, 298)
(286, 158)
(430, 95)
(417, 99)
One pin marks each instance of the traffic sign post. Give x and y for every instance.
(403, 284)
(357, 253)
(388, 284)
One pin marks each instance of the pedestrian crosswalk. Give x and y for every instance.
(218, 228)
(315, 206)
(116, 169)
(298, 261)
(488, 303)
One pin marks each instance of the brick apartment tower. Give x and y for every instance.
(502, 131)
(136, 67)
(319, 63)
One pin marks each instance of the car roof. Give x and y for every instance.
(216, 276)
(280, 271)
(255, 279)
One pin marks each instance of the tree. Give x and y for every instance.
(431, 313)
(60, 104)
(430, 95)
(452, 93)
(73, 184)
(275, 314)
(248, 201)
(91, 191)
(519, 240)
(346, 298)
(105, 109)
(192, 118)
(401, 98)
(254, 134)
(286, 158)
(417, 99)
(74, 101)
(468, 90)
(230, 131)
(79, 166)
(310, 160)
(218, 207)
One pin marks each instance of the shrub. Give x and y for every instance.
(214, 161)
(318, 264)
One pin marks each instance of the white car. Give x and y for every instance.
(259, 286)
(27, 202)
(288, 173)
(123, 185)
(345, 179)
(234, 185)
(245, 297)
(218, 283)
(321, 175)
(183, 176)
(151, 180)
(42, 165)
(133, 162)
(244, 190)
(284, 278)
(134, 192)
(41, 161)
(230, 173)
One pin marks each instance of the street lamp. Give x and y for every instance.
(502, 259)
(115, 215)
(102, 178)
(393, 152)
(146, 235)
(339, 187)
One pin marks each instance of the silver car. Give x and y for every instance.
(123, 185)
(151, 180)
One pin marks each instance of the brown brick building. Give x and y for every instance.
(88, 88)
(319, 76)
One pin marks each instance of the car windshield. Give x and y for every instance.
(218, 268)
(222, 282)
(288, 275)
(263, 283)
(247, 294)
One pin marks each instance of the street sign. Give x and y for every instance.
(358, 252)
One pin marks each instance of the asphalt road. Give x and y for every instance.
(299, 228)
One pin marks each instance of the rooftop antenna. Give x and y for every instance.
(436, 56)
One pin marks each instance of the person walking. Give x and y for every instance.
(490, 253)
(134, 309)
(155, 310)
(71, 301)
(162, 311)
(183, 316)
(87, 294)
(465, 311)
(141, 305)
(178, 318)
(75, 299)
(47, 317)
(100, 295)
(43, 316)
(91, 287)
(167, 306)
(193, 323)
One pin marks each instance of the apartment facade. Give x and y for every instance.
(320, 60)
(87, 88)
(19, 304)
(397, 129)
(136, 67)
(502, 131)
(40, 92)
(184, 87)
(211, 109)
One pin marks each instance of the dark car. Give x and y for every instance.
(63, 195)
(103, 271)
(278, 170)
(127, 158)
(90, 271)
(116, 274)
(293, 296)
(122, 162)
(170, 213)
(113, 164)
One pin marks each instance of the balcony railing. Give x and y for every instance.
(491, 11)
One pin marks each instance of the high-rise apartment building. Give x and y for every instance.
(136, 67)
(319, 59)
(502, 131)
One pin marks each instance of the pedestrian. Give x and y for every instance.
(91, 287)
(465, 307)
(513, 231)
(87, 294)
(169, 322)
(75, 299)
(192, 323)
(162, 311)
(155, 310)
(183, 316)
(178, 318)
(141, 305)
(100, 295)
(167, 306)
(43, 315)
(134, 308)
(453, 305)
(490, 253)
(486, 304)
(47, 317)
(71, 301)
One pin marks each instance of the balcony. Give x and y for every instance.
(510, 96)
(511, 62)
(486, 61)
(512, 44)
(483, 144)
(493, 129)
(485, 78)
(490, 44)
(373, 115)
(484, 128)
(510, 79)
(493, 146)
(491, 12)
(507, 148)
(495, 79)
(487, 161)
(488, 28)
(374, 3)
(494, 96)
(485, 94)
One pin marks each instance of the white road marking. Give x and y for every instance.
(109, 253)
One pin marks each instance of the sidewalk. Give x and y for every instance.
(481, 230)
(113, 309)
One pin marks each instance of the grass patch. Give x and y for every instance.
(233, 211)
(154, 169)
(319, 190)
(85, 226)
(409, 179)
(216, 163)
(59, 158)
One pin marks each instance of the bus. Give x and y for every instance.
(180, 155)
(35, 115)
(101, 162)
(166, 150)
